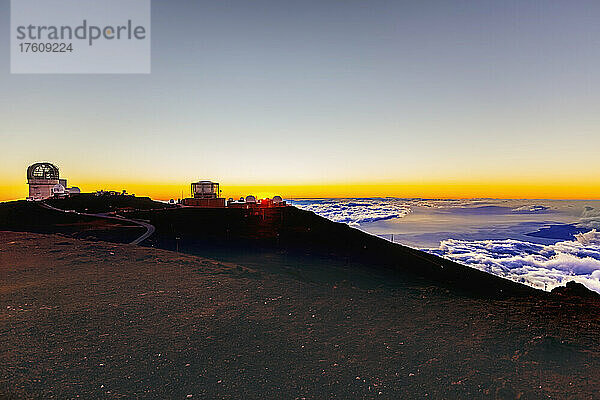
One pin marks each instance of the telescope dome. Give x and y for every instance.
(58, 189)
(42, 170)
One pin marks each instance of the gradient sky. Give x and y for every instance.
(327, 98)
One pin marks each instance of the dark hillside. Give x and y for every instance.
(300, 243)
(96, 320)
(91, 203)
(295, 232)
(26, 216)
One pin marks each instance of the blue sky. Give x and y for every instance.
(319, 92)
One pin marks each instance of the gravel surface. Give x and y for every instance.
(102, 320)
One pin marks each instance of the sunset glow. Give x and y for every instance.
(403, 100)
(442, 190)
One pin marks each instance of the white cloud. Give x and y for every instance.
(356, 211)
(591, 237)
(541, 266)
(538, 265)
(590, 218)
(533, 208)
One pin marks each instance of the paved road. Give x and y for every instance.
(149, 227)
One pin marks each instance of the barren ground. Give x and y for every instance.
(101, 320)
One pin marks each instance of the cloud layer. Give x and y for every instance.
(590, 218)
(537, 265)
(544, 266)
(356, 211)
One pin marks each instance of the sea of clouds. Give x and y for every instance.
(537, 265)
(361, 211)
(590, 218)
(356, 211)
(543, 266)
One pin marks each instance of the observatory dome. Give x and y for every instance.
(58, 189)
(42, 171)
(250, 199)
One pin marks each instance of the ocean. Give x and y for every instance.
(541, 243)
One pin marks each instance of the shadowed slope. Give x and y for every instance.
(94, 320)
(295, 232)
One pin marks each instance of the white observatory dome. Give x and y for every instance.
(58, 189)
(277, 199)
(250, 199)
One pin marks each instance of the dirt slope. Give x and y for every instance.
(100, 320)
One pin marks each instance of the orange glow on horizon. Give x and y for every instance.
(445, 190)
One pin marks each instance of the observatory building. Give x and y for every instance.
(250, 202)
(205, 194)
(44, 182)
